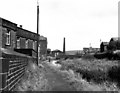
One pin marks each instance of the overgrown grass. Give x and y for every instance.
(80, 84)
(96, 71)
(33, 80)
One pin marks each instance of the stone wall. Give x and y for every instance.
(12, 68)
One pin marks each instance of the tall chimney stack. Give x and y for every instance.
(64, 45)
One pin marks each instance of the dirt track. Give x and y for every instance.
(55, 79)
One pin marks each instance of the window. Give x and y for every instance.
(18, 42)
(33, 44)
(8, 37)
(26, 43)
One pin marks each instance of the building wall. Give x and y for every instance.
(5, 27)
(35, 45)
(22, 43)
(13, 39)
(1, 36)
(30, 44)
(3, 31)
(103, 48)
(43, 47)
(27, 38)
(12, 68)
(26, 34)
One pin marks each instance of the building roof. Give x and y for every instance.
(73, 52)
(115, 39)
(8, 24)
(105, 43)
(56, 50)
(86, 48)
(43, 38)
(26, 34)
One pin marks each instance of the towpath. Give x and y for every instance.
(55, 79)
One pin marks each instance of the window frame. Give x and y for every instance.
(26, 43)
(18, 43)
(8, 37)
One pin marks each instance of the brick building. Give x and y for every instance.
(56, 52)
(90, 50)
(104, 46)
(43, 46)
(21, 40)
(7, 34)
(26, 41)
(114, 43)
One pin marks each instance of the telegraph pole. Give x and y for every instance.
(38, 32)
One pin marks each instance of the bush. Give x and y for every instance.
(100, 55)
(114, 74)
(94, 75)
(88, 56)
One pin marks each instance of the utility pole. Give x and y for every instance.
(38, 32)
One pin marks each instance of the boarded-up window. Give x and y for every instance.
(18, 42)
(34, 45)
(105, 48)
(26, 43)
(8, 37)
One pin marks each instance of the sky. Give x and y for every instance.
(81, 22)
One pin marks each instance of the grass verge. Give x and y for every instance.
(33, 80)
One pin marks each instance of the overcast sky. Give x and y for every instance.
(81, 22)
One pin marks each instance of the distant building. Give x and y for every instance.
(43, 46)
(104, 46)
(90, 50)
(56, 52)
(86, 50)
(94, 50)
(114, 43)
(74, 52)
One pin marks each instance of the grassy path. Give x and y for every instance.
(56, 80)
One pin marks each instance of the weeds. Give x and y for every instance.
(33, 80)
(80, 84)
(94, 73)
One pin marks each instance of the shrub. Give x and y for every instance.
(114, 74)
(100, 55)
(88, 56)
(94, 75)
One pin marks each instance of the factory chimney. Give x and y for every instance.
(64, 45)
